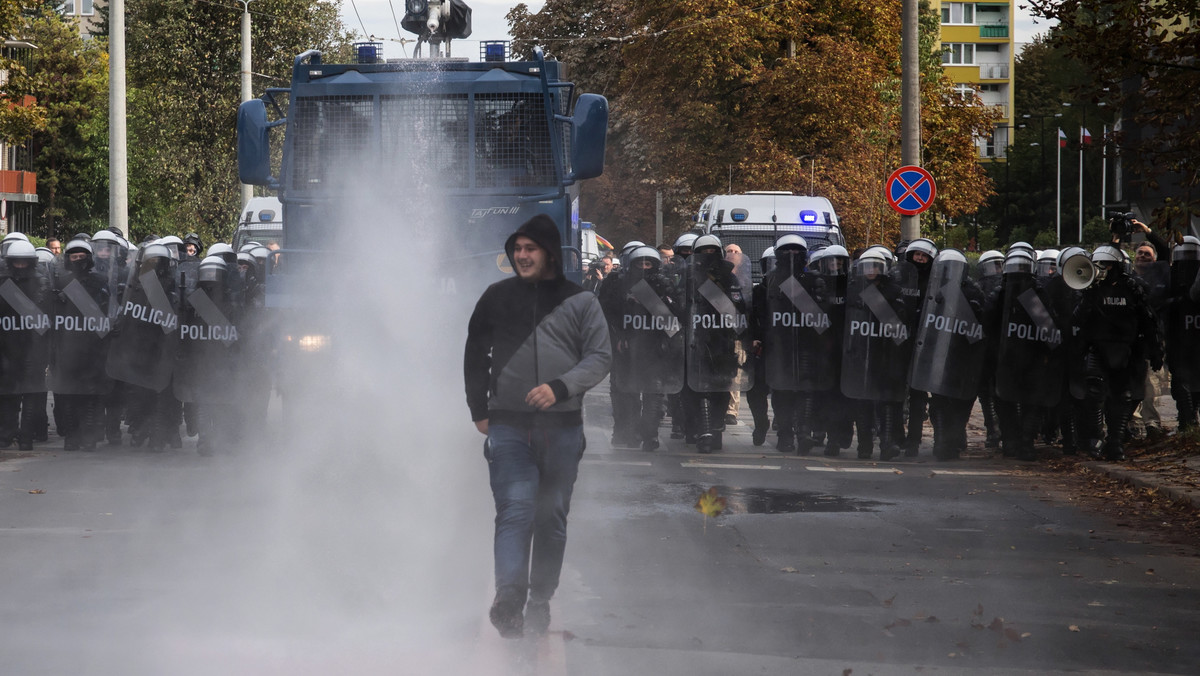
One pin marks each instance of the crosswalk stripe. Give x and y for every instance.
(970, 472)
(864, 470)
(715, 465)
(629, 463)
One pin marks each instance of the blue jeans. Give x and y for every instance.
(532, 475)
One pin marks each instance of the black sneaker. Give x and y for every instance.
(537, 617)
(507, 619)
(759, 436)
(647, 445)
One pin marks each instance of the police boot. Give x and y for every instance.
(802, 423)
(1117, 418)
(987, 405)
(888, 417)
(1185, 408)
(760, 434)
(704, 423)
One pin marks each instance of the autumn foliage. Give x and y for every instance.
(710, 96)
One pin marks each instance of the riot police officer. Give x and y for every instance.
(1182, 320)
(1119, 335)
(24, 344)
(917, 261)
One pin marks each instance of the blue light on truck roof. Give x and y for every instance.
(808, 216)
(738, 217)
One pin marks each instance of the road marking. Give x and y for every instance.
(970, 472)
(871, 470)
(630, 463)
(716, 465)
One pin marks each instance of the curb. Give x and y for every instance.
(1148, 480)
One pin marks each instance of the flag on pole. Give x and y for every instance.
(1062, 138)
(1085, 136)
(604, 243)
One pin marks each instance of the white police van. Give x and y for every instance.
(754, 220)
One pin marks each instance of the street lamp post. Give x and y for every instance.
(812, 175)
(1042, 145)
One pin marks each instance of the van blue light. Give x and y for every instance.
(808, 216)
(738, 216)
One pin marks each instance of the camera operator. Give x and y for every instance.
(1154, 278)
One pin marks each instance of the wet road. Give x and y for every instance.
(343, 558)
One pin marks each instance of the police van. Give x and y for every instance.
(261, 221)
(755, 219)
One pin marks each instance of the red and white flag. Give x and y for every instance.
(1062, 138)
(1085, 136)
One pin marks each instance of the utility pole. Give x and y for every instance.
(910, 107)
(658, 219)
(247, 94)
(118, 162)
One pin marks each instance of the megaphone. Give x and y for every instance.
(1078, 271)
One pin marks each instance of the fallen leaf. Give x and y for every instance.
(710, 503)
(997, 624)
(1026, 634)
(36, 491)
(1012, 635)
(847, 672)
(789, 569)
(1073, 627)
(887, 603)
(1150, 571)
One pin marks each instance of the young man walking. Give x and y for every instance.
(535, 343)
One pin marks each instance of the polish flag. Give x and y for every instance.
(1062, 138)
(1085, 136)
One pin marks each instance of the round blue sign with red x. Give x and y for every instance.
(910, 190)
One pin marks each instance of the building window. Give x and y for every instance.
(965, 90)
(67, 8)
(958, 12)
(86, 7)
(958, 54)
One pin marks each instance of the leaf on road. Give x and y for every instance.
(887, 603)
(788, 569)
(1149, 571)
(1012, 635)
(1073, 627)
(36, 491)
(710, 503)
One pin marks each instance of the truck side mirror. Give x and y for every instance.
(590, 124)
(254, 144)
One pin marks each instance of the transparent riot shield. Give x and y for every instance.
(206, 365)
(79, 309)
(651, 341)
(146, 334)
(24, 330)
(717, 327)
(800, 345)
(877, 344)
(950, 345)
(1155, 279)
(1030, 356)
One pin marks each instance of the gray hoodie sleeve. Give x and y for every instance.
(595, 352)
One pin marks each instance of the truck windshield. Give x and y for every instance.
(458, 141)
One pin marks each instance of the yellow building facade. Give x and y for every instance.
(977, 53)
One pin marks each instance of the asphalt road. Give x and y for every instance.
(374, 558)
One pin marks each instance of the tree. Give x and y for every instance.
(715, 95)
(69, 77)
(183, 65)
(20, 117)
(1151, 49)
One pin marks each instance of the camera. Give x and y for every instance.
(1121, 225)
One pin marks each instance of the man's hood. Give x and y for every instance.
(542, 230)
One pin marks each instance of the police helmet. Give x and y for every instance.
(1018, 261)
(832, 259)
(816, 256)
(9, 239)
(261, 253)
(1187, 251)
(1067, 253)
(951, 256)
(922, 245)
(45, 255)
(104, 236)
(1047, 262)
(766, 262)
(175, 245)
(645, 253)
(1017, 246)
(212, 269)
(225, 251)
(77, 245)
(247, 247)
(878, 249)
(685, 241)
(20, 250)
(1108, 259)
(707, 242)
(990, 263)
(628, 249)
(872, 261)
(790, 241)
(245, 258)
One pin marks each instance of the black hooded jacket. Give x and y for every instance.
(526, 333)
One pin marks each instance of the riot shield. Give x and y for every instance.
(1155, 278)
(80, 311)
(717, 327)
(650, 346)
(24, 330)
(1030, 353)
(949, 348)
(206, 365)
(146, 334)
(877, 344)
(799, 342)
(1182, 325)
(106, 257)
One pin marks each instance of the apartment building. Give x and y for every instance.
(18, 183)
(977, 54)
(85, 12)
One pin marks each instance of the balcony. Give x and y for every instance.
(993, 30)
(993, 71)
(18, 186)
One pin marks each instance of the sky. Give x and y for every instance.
(487, 23)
